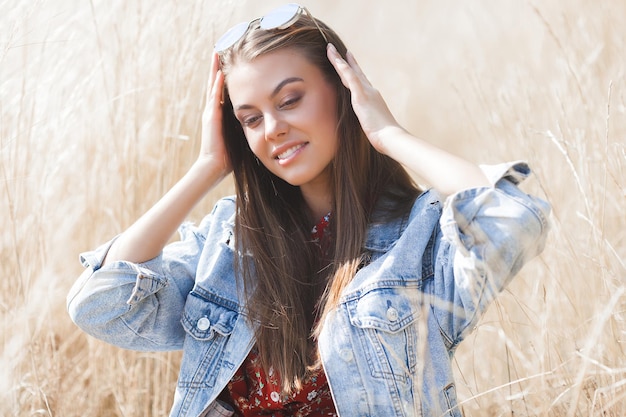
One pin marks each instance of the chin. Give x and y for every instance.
(296, 180)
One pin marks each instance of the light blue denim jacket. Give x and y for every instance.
(387, 347)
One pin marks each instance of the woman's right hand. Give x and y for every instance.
(212, 148)
(147, 237)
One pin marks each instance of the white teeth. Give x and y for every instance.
(289, 152)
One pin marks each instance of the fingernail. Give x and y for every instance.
(332, 47)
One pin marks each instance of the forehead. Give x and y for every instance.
(259, 76)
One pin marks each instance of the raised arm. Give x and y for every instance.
(443, 171)
(134, 297)
(145, 239)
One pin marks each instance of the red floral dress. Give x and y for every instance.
(254, 393)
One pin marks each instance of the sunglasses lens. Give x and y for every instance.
(231, 37)
(280, 17)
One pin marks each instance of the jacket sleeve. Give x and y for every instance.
(488, 234)
(138, 305)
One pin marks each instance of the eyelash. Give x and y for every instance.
(250, 120)
(290, 102)
(287, 104)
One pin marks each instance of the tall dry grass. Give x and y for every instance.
(100, 106)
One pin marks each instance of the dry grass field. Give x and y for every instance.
(100, 105)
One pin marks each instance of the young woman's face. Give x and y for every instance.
(288, 113)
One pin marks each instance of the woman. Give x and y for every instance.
(331, 284)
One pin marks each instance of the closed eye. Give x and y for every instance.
(290, 102)
(250, 120)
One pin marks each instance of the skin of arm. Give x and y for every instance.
(445, 172)
(147, 237)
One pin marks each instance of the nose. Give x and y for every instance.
(275, 127)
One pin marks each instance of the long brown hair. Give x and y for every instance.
(290, 287)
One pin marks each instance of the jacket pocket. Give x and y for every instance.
(449, 394)
(208, 324)
(384, 323)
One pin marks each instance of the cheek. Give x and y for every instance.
(254, 143)
(331, 127)
(328, 113)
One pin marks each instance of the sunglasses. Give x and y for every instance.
(279, 18)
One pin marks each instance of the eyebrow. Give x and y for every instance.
(284, 83)
(279, 87)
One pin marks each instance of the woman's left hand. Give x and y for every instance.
(368, 104)
(446, 172)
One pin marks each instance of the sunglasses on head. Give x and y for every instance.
(280, 18)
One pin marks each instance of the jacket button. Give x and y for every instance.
(392, 314)
(203, 324)
(346, 354)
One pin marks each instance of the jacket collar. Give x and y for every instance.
(381, 236)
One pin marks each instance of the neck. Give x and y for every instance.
(318, 201)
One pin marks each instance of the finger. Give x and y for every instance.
(342, 67)
(217, 90)
(355, 66)
(335, 60)
(212, 75)
(213, 106)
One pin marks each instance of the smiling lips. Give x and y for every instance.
(290, 152)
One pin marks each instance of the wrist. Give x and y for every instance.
(208, 171)
(387, 137)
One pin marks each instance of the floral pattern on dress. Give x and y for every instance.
(254, 393)
(320, 234)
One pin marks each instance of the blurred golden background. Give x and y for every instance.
(100, 105)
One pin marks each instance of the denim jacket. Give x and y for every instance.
(387, 347)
